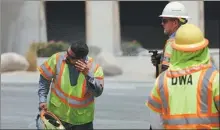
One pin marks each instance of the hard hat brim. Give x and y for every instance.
(43, 118)
(171, 16)
(192, 47)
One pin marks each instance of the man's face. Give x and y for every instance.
(74, 60)
(169, 25)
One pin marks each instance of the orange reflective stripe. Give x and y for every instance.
(83, 88)
(155, 103)
(167, 55)
(163, 92)
(210, 96)
(49, 68)
(199, 92)
(71, 102)
(155, 99)
(99, 78)
(96, 68)
(57, 57)
(187, 71)
(188, 121)
(217, 98)
(165, 63)
(166, 59)
(46, 70)
(206, 91)
(189, 116)
(153, 108)
(43, 74)
(166, 94)
(157, 88)
(192, 126)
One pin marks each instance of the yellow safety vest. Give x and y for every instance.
(167, 52)
(71, 104)
(187, 99)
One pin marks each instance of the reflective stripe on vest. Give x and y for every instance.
(166, 60)
(188, 70)
(154, 104)
(46, 71)
(203, 115)
(72, 101)
(192, 121)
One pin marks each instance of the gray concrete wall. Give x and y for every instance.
(102, 25)
(21, 25)
(23, 22)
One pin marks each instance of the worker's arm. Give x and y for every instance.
(216, 93)
(166, 56)
(155, 121)
(43, 89)
(47, 72)
(95, 80)
(154, 102)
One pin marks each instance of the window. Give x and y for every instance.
(212, 22)
(65, 20)
(139, 21)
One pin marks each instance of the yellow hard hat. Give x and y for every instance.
(47, 120)
(189, 38)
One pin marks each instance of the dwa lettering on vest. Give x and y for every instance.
(182, 80)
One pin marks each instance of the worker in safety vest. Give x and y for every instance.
(186, 95)
(75, 81)
(173, 16)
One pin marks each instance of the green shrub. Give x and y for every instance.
(130, 48)
(48, 49)
(31, 57)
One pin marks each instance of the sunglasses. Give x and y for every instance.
(165, 21)
(169, 19)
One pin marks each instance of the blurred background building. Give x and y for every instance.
(106, 24)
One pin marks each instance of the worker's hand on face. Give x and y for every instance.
(43, 106)
(82, 67)
(155, 59)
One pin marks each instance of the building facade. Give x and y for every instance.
(23, 22)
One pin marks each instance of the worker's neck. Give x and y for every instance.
(174, 30)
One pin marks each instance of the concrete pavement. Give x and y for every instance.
(135, 69)
(121, 106)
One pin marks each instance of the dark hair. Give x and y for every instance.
(80, 48)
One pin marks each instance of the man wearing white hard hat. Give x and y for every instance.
(173, 16)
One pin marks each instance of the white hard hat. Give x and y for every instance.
(175, 10)
(48, 121)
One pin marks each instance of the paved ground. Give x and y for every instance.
(120, 106)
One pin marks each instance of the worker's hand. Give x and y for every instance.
(43, 106)
(155, 59)
(82, 67)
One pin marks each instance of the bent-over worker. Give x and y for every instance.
(75, 82)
